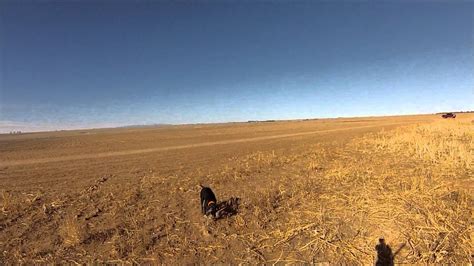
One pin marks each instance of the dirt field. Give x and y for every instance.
(309, 191)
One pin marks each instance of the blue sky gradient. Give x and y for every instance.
(92, 64)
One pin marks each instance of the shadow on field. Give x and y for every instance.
(385, 256)
(227, 208)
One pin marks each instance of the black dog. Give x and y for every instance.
(208, 202)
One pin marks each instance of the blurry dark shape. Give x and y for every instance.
(262, 121)
(227, 208)
(384, 254)
(449, 115)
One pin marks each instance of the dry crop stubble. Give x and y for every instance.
(304, 202)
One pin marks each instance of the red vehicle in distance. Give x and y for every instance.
(449, 115)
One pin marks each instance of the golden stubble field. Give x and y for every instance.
(309, 191)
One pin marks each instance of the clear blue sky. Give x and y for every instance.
(109, 63)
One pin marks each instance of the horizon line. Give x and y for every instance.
(16, 132)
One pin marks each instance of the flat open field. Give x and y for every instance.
(309, 191)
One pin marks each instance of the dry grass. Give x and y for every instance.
(6, 200)
(449, 143)
(392, 184)
(72, 232)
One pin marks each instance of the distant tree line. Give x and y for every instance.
(261, 121)
(460, 112)
(15, 132)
